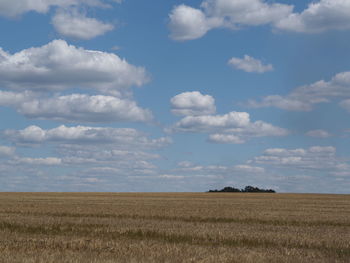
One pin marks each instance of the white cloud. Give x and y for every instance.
(112, 151)
(233, 127)
(13, 8)
(86, 151)
(303, 98)
(188, 23)
(261, 128)
(248, 168)
(119, 164)
(109, 160)
(102, 171)
(37, 161)
(76, 25)
(59, 66)
(8, 98)
(6, 151)
(249, 64)
(341, 170)
(327, 150)
(345, 104)
(185, 164)
(285, 103)
(225, 138)
(90, 155)
(67, 20)
(246, 12)
(113, 159)
(207, 123)
(318, 17)
(192, 103)
(318, 134)
(341, 174)
(241, 135)
(315, 158)
(285, 152)
(85, 135)
(79, 107)
(115, 48)
(219, 170)
(171, 176)
(81, 163)
(313, 169)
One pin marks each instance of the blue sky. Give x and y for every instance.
(106, 95)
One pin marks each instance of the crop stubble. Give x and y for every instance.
(174, 227)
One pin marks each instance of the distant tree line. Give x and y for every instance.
(247, 189)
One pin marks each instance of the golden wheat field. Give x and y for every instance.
(174, 227)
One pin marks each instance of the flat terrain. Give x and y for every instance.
(174, 227)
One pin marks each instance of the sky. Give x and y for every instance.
(174, 96)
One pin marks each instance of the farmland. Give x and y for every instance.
(174, 227)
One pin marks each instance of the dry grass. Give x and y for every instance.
(208, 227)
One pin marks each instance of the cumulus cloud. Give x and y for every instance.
(212, 175)
(35, 73)
(185, 164)
(246, 12)
(37, 161)
(323, 150)
(248, 168)
(110, 160)
(315, 158)
(241, 135)
(212, 122)
(10, 99)
(249, 64)
(90, 155)
(284, 152)
(127, 164)
(225, 138)
(303, 98)
(345, 104)
(303, 169)
(171, 176)
(87, 151)
(59, 66)
(318, 134)
(12, 8)
(318, 17)
(79, 107)
(220, 169)
(76, 25)
(85, 135)
(188, 23)
(233, 127)
(192, 103)
(282, 102)
(6, 151)
(90, 149)
(67, 20)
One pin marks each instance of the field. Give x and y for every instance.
(174, 227)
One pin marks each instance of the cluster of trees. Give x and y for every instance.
(247, 189)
